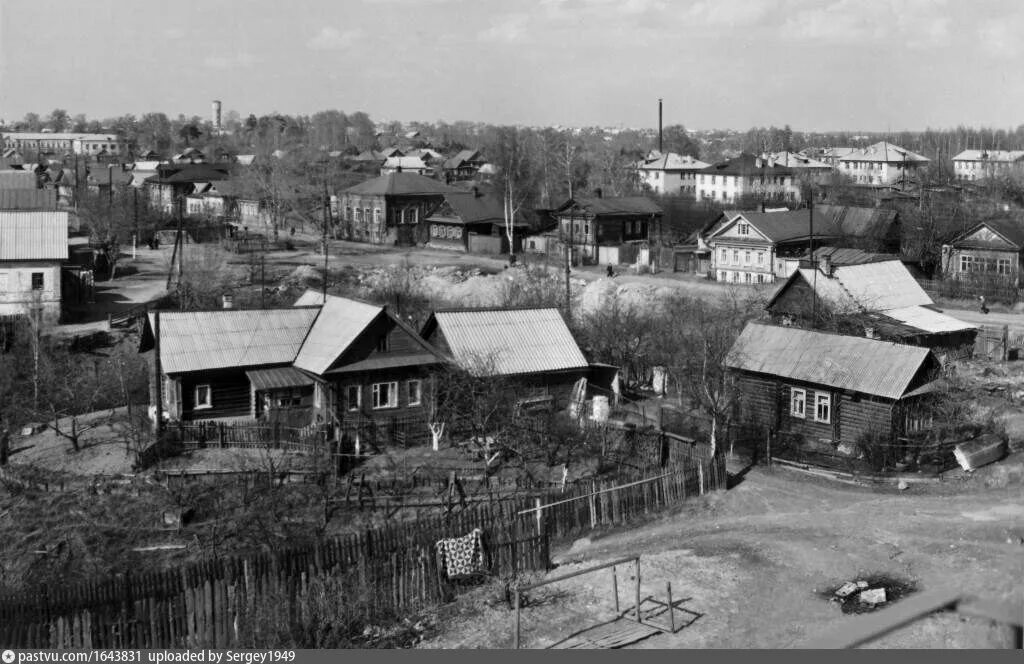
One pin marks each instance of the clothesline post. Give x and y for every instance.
(615, 589)
(638, 589)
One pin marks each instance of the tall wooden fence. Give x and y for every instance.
(248, 601)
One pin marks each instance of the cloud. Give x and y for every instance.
(507, 29)
(332, 39)
(911, 24)
(1000, 38)
(233, 61)
(173, 33)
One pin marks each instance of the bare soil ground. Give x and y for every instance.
(754, 563)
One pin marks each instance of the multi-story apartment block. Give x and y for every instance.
(981, 164)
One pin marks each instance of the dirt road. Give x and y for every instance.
(755, 562)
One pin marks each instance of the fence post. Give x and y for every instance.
(768, 446)
(540, 516)
(1006, 343)
(700, 476)
(220, 434)
(638, 588)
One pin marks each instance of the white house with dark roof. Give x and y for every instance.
(670, 173)
(32, 247)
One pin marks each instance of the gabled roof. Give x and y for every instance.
(391, 152)
(672, 162)
(1009, 228)
(230, 338)
(405, 163)
(613, 205)
(470, 208)
(369, 155)
(848, 256)
(858, 364)
(340, 323)
(885, 287)
(1007, 156)
(747, 164)
(401, 184)
(101, 175)
(796, 160)
(861, 222)
(463, 157)
(190, 173)
(885, 151)
(34, 235)
(782, 226)
(507, 342)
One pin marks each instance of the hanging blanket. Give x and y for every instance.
(462, 556)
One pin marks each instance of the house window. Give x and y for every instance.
(823, 408)
(1003, 265)
(966, 263)
(376, 215)
(721, 275)
(724, 255)
(797, 402)
(760, 258)
(743, 229)
(203, 396)
(353, 398)
(736, 256)
(366, 215)
(37, 281)
(746, 277)
(746, 258)
(383, 345)
(415, 392)
(385, 395)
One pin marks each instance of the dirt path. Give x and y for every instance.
(755, 561)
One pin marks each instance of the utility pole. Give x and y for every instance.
(326, 222)
(568, 262)
(660, 149)
(157, 378)
(814, 265)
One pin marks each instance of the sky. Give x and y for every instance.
(817, 65)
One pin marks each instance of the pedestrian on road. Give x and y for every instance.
(611, 270)
(984, 309)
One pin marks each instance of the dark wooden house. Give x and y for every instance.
(340, 362)
(392, 209)
(990, 251)
(531, 348)
(819, 390)
(606, 230)
(474, 222)
(878, 300)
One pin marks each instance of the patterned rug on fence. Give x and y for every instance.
(462, 556)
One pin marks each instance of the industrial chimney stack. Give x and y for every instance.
(216, 115)
(660, 149)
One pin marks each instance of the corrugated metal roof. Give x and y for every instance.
(884, 151)
(614, 205)
(881, 286)
(36, 235)
(507, 342)
(399, 184)
(340, 322)
(384, 362)
(28, 199)
(879, 368)
(18, 180)
(278, 378)
(198, 340)
(990, 155)
(928, 320)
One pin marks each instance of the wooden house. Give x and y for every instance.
(391, 209)
(992, 249)
(463, 166)
(612, 230)
(531, 348)
(173, 182)
(336, 361)
(474, 222)
(821, 390)
(33, 244)
(878, 300)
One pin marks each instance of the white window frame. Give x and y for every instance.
(819, 401)
(418, 392)
(349, 406)
(1003, 266)
(392, 394)
(743, 229)
(205, 403)
(966, 262)
(724, 256)
(795, 392)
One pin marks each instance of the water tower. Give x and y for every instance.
(216, 115)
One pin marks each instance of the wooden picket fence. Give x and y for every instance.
(310, 439)
(247, 601)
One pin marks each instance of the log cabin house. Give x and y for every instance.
(340, 362)
(879, 300)
(606, 230)
(825, 390)
(532, 348)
